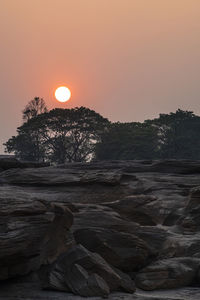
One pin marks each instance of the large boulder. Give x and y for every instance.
(154, 236)
(93, 216)
(168, 274)
(32, 233)
(84, 273)
(122, 250)
(191, 220)
(142, 209)
(182, 245)
(100, 216)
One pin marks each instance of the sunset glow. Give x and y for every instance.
(62, 94)
(128, 60)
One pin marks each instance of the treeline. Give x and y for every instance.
(81, 134)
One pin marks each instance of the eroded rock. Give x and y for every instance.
(84, 273)
(191, 220)
(168, 274)
(31, 233)
(122, 250)
(141, 209)
(135, 214)
(10, 163)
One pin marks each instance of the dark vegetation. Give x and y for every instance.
(81, 134)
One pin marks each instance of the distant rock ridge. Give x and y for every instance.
(11, 162)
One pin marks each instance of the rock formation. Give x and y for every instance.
(85, 273)
(98, 228)
(32, 233)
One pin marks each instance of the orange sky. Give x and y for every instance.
(127, 59)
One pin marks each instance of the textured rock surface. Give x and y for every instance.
(122, 250)
(85, 273)
(168, 274)
(142, 209)
(191, 219)
(64, 176)
(31, 233)
(140, 216)
(10, 163)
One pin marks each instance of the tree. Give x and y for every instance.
(80, 135)
(179, 135)
(71, 134)
(59, 135)
(128, 141)
(29, 143)
(34, 108)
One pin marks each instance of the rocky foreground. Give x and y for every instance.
(118, 229)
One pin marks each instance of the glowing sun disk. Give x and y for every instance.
(62, 94)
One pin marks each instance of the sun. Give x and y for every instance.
(62, 94)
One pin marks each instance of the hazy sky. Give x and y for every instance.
(127, 59)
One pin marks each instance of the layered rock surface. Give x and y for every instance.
(141, 218)
(31, 233)
(10, 163)
(168, 274)
(85, 273)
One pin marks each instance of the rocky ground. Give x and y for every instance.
(117, 229)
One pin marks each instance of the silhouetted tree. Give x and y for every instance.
(59, 135)
(179, 135)
(128, 141)
(71, 134)
(29, 143)
(81, 134)
(34, 108)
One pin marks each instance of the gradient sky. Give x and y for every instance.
(127, 59)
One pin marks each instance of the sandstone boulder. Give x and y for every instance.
(104, 217)
(122, 250)
(168, 274)
(137, 208)
(31, 233)
(191, 220)
(100, 216)
(84, 273)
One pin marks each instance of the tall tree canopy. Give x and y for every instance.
(178, 135)
(59, 135)
(80, 134)
(29, 143)
(71, 134)
(128, 141)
